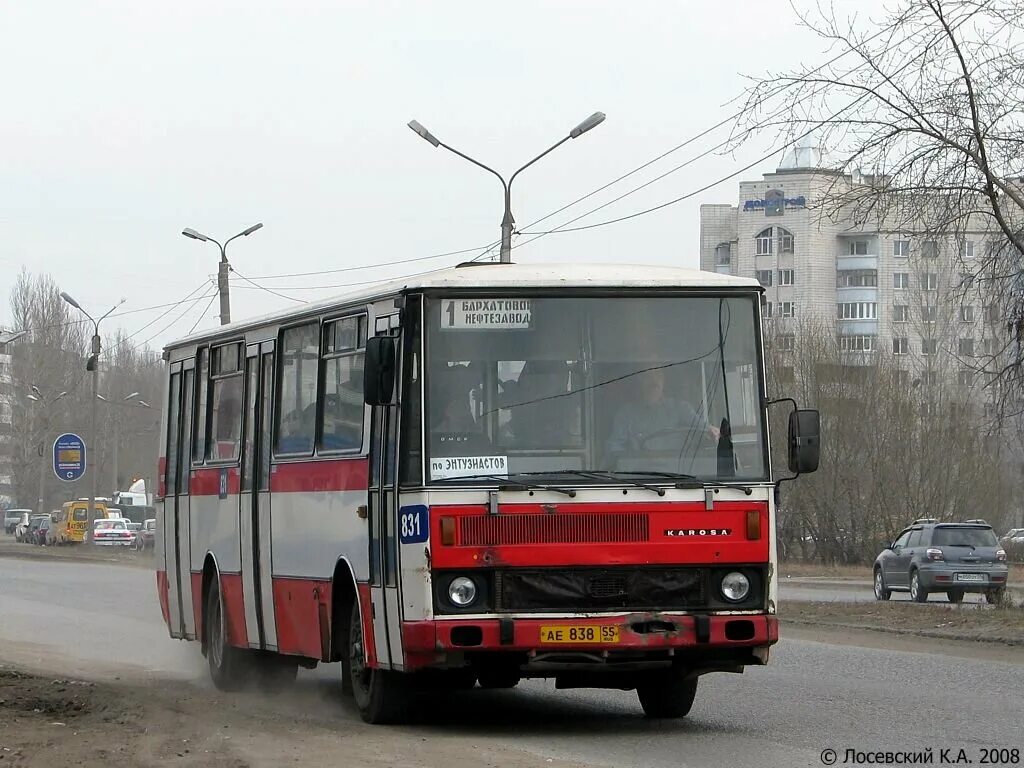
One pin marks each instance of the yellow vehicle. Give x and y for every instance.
(73, 520)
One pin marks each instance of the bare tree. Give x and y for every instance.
(925, 113)
(900, 443)
(51, 394)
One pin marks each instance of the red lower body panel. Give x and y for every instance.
(234, 608)
(299, 605)
(197, 601)
(425, 641)
(161, 593)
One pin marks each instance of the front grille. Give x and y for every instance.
(495, 530)
(583, 589)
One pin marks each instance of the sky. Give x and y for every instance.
(124, 122)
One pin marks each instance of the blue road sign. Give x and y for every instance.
(69, 457)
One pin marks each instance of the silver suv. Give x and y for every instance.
(954, 558)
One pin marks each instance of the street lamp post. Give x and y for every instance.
(39, 400)
(92, 365)
(224, 268)
(507, 221)
(127, 400)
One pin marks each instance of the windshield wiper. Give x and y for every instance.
(685, 481)
(517, 485)
(600, 475)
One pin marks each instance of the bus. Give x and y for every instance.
(478, 475)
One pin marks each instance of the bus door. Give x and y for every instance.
(176, 541)
(383, 556)
(254, 510)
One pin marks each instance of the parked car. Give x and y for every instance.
(46, 534)
(36, 531)
(146, 536)
(1013, 543)
(955, 558)
(112, 532)
(21, 525)
(14, 516)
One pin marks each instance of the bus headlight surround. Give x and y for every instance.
(462, 591)
(735, 587)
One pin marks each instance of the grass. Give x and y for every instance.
(998, 624)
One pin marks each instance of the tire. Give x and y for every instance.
(881, 593)
(667, 694)
(229, 666)
(955, 595)
(499, 678)
(379, 694)
(917, 593)
(995, 596)
(277, 672)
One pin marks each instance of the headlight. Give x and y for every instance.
(735, 587)
(462, 591)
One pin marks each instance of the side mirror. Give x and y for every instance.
(379, 370)
(804, 441)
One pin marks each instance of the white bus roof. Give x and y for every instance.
(503, 276)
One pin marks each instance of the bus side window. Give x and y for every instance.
(342, 407)
(226, 403)
(202, 385)
(296, 404)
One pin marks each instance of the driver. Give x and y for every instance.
(653, 413)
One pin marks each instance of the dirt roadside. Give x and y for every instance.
(79, 553)
(47, 723)
(974, 624)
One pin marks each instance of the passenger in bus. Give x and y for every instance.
(228, 426)
(454, 431)
(638, 422)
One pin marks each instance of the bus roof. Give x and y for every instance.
(487, 275)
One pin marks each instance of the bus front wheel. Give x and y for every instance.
(378, 693)
(667, 694)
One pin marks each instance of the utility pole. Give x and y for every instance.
(507, 220)
(93, 365)
(223, 269)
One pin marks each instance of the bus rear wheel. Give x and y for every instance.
(667, 694)
(378, 693)
(228, 665)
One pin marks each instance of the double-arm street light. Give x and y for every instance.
(507, 221)
(94, 366)
(129, 401)
(224, 269)
(39, 400)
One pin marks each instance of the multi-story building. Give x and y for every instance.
(888, 291)
(6, 420)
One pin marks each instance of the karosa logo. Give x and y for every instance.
(677, 532)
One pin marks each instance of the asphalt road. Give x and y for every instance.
(102, 619)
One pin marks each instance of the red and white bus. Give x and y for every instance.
(487, 473)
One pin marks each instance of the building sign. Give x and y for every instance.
(774, 203)
(69, 457)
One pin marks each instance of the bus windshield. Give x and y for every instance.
(594, 388)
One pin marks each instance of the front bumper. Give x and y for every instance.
(429, 642)
(946, 576)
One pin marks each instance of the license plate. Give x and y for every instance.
(971, 577)
(586, 633)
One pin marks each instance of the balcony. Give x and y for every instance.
(866, 261)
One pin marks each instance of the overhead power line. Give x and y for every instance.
(564, 228)
(268, 290)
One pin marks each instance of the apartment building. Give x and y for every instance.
(911, 295)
